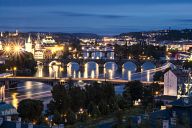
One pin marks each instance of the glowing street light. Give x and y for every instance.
(17, 48)
(14, 71)
(7, 49)
(14, 68)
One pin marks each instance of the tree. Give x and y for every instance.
(71, 117)
(97, 91)
(148, 98)
(122, 102)
(113, 105)
(127, 97)
(135, 88)
(103, 107)
(22, 62)
(78, 98)
(158, 76)
(119, 116)
(61, 100)
(30, 110)
(93, 110)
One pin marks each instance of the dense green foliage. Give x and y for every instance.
(24, 61)
(30, 110)
(94, 100)
(158, 76)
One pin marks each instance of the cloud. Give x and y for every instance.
(185, 20)
(78, 14)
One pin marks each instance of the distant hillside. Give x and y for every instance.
(161, 35)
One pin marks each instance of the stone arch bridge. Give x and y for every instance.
(101, 62)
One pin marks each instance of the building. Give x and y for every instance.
(28, 45)
(175, 83)
(48, 40)
(18, 124)
(7, 111)
(1, 46)
(1, 34)
(38, 43)
(39, 54)
(180, 46)
(177, 114)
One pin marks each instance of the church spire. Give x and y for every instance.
(29, 39)
(1, 47)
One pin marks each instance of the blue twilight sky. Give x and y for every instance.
(95, 16)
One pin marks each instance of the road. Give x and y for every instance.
(51, 79)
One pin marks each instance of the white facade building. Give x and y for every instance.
(39, 54)
(175, 83)
(1, 47)
(48, 40)
(28, 45)
(170, 84)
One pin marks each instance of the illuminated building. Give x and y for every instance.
(1, 34)
(28, 45)
(1, 47)
(176, 82)
(38, 43)
(48, 40)
(39, 54)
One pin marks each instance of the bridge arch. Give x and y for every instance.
(73, 65)
(54, 63)
(111, 66)
(72, 69)
(91, 65)
(91, 69)
(129, 66)
(148, 65)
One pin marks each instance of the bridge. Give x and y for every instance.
(102, 62)
(55, 81)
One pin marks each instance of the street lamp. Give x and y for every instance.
(14, 71)
(17, 48)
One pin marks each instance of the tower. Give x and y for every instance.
(38, 43)
(1, 47)
(28, 45)
(1, 34)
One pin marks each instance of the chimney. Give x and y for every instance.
(30, 125)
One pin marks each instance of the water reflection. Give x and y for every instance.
(27, 90)
(2, 92)
(128, 70)
(110, 69)
(15, 100)
(72, 69)
(39, 72)
(91, 69)
(148, 69)
(38, 90)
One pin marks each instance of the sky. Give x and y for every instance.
(94, 16)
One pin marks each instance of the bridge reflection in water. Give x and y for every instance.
(38, 90)
(110, 70)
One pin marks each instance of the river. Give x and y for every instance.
(42, 91)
